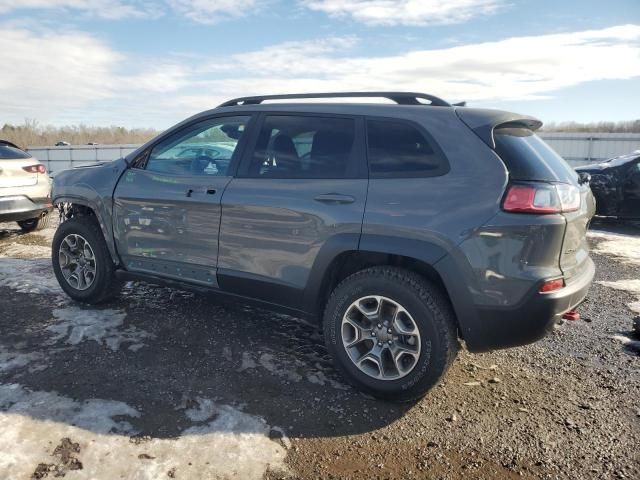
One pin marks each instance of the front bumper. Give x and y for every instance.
(14, 208)
(532, 318)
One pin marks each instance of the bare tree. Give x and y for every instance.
(31, 134)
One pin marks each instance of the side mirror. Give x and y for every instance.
(583, 177)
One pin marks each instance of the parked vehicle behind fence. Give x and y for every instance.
(616, 185)
(25, 188)
(402, 228)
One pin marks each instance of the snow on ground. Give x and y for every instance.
(10, 360)
(28, 276)
(631, 286)
(74, 325)
(220, 441)
(290, 368)
(232, 444)
(625, 248)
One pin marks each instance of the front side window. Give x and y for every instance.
(399, 149)
(205, 148)
(303, 147)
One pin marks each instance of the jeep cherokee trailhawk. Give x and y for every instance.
(404, 227)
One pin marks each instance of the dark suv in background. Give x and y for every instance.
(403, 227)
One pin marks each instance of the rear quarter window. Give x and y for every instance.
(402, 149)
(528, 157)
(8, 153)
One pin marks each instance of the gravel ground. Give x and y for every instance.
(163, 383)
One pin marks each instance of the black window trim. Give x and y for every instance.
(140, 162)
(442, 170)
(357, 159)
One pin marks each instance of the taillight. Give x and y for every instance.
(552, 285)
(35, 169)
(541, 198)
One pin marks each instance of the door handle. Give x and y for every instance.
(335, 198)
(208, 191)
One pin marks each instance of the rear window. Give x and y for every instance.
(7, 153)
(528, 157)
(400, 149)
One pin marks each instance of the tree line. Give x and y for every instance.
(31, 133)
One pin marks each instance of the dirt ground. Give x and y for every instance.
(163, 383)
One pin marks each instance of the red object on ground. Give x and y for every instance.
(571, 315)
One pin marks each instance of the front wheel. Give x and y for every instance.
(81, 261)
(390, 332)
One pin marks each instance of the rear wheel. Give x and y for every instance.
(390, 332)
(37, 223)
(81, 261)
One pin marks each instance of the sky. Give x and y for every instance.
(153, 63)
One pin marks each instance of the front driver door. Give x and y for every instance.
(167, 210)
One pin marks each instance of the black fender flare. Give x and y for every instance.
(105, 227)
(442, 257)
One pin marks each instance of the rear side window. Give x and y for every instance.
(291, 146)
(7, 153)
(400, 149)
(528, 157)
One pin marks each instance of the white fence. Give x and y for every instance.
(584, 148)
(60, 158)
(576, 148)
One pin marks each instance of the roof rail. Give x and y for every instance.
(401, 98)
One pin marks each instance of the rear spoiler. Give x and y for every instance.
(9, 144)
(484, 121)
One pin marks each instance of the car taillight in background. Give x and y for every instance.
(35, 169)
(541, 198)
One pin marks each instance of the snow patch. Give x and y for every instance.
(28, 276)
(233, 445)
(19, 250)
(75, 325)
(291, 369)
(12, 360)
(95, 415)
(625, 248)
(627, 342)
(203, 411)
(631, 286)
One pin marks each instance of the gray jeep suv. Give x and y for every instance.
(404, 228)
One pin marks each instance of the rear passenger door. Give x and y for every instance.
(299, 193)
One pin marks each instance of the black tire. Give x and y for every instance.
(105, 286)
(431, 312)
(34, 224)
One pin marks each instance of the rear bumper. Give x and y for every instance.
(20, 207)
(531, 319)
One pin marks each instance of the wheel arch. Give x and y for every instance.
(420, 257)
(75, 206)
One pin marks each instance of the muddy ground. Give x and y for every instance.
(168, 384)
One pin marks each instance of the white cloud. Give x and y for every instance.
(212, 11)
(73, 77)
(406, 12)
(110, 9)
(514, 68)
(200, 11)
